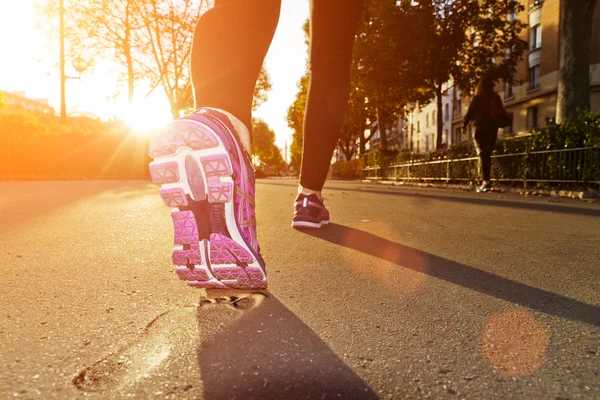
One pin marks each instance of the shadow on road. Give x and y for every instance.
(269, 353)
(483, 200)
(459, 274)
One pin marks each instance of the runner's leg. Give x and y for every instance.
(230, 44)
(332, 28)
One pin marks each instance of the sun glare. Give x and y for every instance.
(145, 119)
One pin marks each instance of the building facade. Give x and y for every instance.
(418, 128)
(18, 101)
(532, 99)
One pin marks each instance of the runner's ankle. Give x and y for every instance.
(241, 129)
(308, 192)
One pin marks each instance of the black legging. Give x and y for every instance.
(230, 44)
(485, 140)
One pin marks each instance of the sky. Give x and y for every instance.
(29, 63)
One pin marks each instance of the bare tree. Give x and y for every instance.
(167, 34)
(97, 29)
(117, 26)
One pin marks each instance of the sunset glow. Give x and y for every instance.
(30, 65)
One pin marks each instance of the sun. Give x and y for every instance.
(145, 117)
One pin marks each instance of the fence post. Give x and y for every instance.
(526, 169)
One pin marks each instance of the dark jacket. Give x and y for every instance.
(480, 111)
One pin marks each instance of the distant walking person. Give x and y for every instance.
(202, 160)
(488, 113)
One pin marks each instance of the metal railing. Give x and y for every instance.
(568, 166)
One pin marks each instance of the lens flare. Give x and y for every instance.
(515, 343)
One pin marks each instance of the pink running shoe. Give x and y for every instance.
(207, 179)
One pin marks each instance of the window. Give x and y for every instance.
(535, 37)
(433, 118)
(427, 120)
(446, 112)
(418, 126)
(427, 143)
(509, 91)
(457, 106)
(457, 135)
(532, 117)
(512, 16)
(534, 77)
(509, 129)
(508, 54)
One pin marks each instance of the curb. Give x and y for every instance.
(573, 194)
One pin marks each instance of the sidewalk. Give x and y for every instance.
(573, 194)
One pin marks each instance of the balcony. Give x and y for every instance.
(535, 13)
(535, 5)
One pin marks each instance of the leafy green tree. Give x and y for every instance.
(295, 120)
(376, 71)
(295, 113)
(383, 65)
(266, 155)
(354, 124)
(462, 40)
(262, 88)
(407, 51)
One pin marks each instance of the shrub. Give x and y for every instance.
(547, 168)
(513, 145)
(461, 150)
(347, 169)
(20, 125)
(583, 131)
(38, 145)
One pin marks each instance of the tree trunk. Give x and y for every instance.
(440, 116)
(130, 82)
(364, 139)
(127, 53)
(174, 107)
(348, 150)
(362, 143)
(382, 132)
(576, 22)
(130, 73)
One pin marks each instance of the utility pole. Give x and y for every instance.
(411, 107)
(78, 63)
(285, 152)
(63, 103)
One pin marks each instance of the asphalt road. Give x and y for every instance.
(410, 293)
